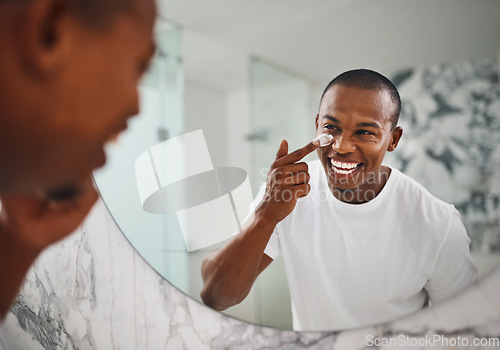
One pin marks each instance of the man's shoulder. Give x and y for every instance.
(412, 191)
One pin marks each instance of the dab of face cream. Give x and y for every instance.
(323, 140)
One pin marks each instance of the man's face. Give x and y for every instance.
(58, 122)
(360, 122)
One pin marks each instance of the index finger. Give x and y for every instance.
(296, 155)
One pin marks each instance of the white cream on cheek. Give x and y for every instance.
(323, 140)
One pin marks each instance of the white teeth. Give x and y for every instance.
(343, 168)
(343, 172)
(342, 165)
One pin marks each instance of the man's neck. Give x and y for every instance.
(365, 192)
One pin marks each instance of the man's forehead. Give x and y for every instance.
(148, 8)
(141, 12)
(137, 24)
(348, 99)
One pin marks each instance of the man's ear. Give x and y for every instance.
(45, 36)
(395, 137)
(317, 121)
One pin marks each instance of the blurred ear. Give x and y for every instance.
(395, 137)
(45, 34)
(317, 121)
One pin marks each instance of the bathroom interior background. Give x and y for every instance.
(451, 117)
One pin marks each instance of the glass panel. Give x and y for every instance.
(280, 107)
(280, 110)
(156, 237)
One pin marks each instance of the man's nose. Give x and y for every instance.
(343, 144)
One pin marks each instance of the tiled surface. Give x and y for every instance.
(451, 141)
(92, 291)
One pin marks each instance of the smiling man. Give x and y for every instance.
(69, 71)
(361, 242)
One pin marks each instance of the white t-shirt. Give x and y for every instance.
(352, 265)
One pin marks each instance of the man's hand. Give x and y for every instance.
(287, 181)
(37, 222)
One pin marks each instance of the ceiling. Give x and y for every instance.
(318, 39)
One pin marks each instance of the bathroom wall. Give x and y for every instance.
(205, 108)
(451, 143)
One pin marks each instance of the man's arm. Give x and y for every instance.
(28, 225)
(229, 273)
(454, 269)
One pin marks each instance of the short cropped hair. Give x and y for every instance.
(369, 80)
(93, 12)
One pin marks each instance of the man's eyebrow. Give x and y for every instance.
(364, 124)
(333, 119)
(373, 125)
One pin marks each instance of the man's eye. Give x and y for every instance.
(331, 127)
(364, 132)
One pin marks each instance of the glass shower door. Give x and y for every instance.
(280, 103)
(157, 238)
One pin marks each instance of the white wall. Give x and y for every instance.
(238, 111)
(205, 108)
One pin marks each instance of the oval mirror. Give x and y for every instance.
(213, 112)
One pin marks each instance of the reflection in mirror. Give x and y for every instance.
(450, 115)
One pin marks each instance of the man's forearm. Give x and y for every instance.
(229, 273)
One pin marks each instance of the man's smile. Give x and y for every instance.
(344, 168)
